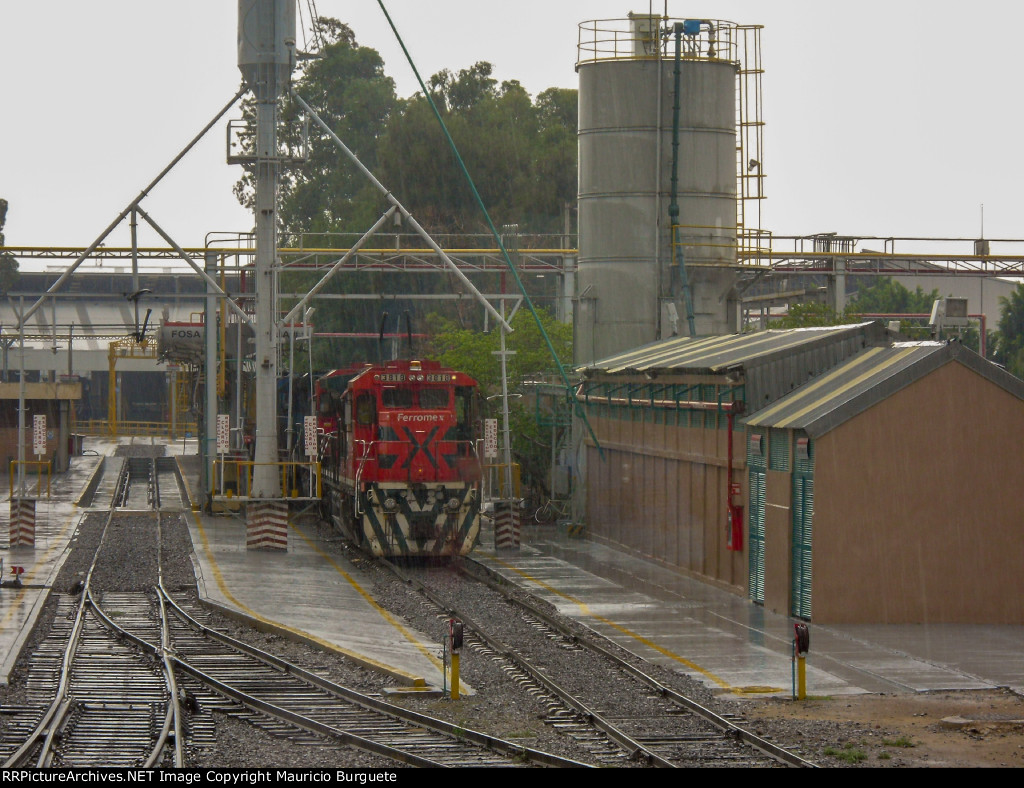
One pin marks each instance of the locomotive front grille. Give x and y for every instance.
(422, 527)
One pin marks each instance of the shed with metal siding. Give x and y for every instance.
(665, 417)
(911, 465)
(880, 489)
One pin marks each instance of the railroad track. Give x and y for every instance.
(614, 708)
(101, 721)
(131, 678)
(102, 701)
(287, 700)
(131, 675)
(148, 483)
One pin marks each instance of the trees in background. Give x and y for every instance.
(347, 87)
(520, 153)
(473, 353)
(1009, 341)
(885, 296)
(8, 263)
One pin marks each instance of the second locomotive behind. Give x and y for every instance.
(399, 457)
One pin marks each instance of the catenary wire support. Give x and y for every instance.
(406, 216)
(300, 307)
(132, 206)
(494, 230)
(203, 275)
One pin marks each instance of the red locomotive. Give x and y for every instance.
(399, 457)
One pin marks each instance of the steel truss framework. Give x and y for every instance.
(814, 254)
(390, 258)
(886, 256)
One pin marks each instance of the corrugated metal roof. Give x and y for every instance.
(716, 354)
(866, 379)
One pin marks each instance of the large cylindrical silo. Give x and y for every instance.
(632, 126)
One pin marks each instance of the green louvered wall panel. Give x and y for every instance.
(778, 452)
(803, 531)
(755, 537)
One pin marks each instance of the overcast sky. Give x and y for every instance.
(882, 118)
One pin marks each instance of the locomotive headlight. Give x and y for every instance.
(453, 504)
(390, 504)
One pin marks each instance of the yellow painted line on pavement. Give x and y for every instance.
(410, 636)
(629, 633)
(222, 585)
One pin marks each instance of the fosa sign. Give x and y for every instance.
(181, 340)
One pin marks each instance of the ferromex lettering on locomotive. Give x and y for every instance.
(399, 457)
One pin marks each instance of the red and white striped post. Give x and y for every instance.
(23, 522)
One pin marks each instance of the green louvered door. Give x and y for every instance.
(803, 520)
(755, 518)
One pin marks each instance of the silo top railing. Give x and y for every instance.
(643, 37)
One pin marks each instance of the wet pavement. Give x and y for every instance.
(719, 638)
(737, 647)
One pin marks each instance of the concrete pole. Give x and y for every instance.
(291, 390)
(840, 286)
(504, 408)
(21, 398)
(209, 431)
(63, 431)
(174, 404)
(266, 481)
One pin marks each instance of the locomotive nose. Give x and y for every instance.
(423, 467)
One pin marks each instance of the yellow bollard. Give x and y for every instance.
(455, 676)
(801, 645)
(455, 641)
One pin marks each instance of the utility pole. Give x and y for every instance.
(266, 58)
(506, 513)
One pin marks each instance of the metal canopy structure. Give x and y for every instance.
(828, 253)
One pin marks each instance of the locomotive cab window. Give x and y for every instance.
(364, 409)
(328, 403)
(396, 398)
(464, 413)
(434, 399)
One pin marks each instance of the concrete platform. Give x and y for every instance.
(310, 594)
(57, 518)
(306, 592)
(739, 648)
(735, 647)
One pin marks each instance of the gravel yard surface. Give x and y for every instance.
(874, 731)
